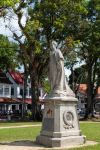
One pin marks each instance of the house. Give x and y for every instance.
(5, 85)
(11, 92)
(6, 101)
(97, 101)
(17, 88)
(81, 94)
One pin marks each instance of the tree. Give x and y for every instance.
(8, 54)
(80, 77)
(45, 20)
(89, 50)
(4, 4)
(70, 62)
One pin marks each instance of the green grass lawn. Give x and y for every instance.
(91, 130)
(95, 147)
(17, 134)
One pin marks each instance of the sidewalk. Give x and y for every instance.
(20, 126)
(37, 125)
(29, 145)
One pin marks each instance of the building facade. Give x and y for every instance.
(11, 93)
(81, 94)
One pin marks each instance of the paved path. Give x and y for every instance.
(21, 126)
(29, 145)
(37, 125)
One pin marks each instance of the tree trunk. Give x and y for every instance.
(24, 93)
(35, 95)
(73, 79)
(89, 108)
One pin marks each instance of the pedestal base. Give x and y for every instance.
(60, 142)
(60, 126)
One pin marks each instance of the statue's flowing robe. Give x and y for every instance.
(57, 74)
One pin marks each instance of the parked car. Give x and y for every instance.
(81, 112)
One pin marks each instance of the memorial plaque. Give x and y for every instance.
(48, 124)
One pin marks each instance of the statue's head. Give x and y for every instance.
(53, 45)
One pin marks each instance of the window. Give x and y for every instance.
(21, 92)
(82, 101)
(12, 91)
(30, 92)
(1, 89)
(26, 92)
(6, 90)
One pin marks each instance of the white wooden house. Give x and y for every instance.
(11, 92)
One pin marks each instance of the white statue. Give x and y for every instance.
(57, 78)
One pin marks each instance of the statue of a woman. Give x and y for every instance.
(57, 78)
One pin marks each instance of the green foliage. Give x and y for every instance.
(8, 53)
(80, 75)
(46, 86)
(4, 4)
(46, 20)
(89, 49)
(32, 26)
(57, 16)
(7, 3)
(90, 36)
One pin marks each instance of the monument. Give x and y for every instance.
(60, 126)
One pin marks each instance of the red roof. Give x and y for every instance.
(98, 91)
(83, 89)
(28, 100)
(9, 100)
(17, 76)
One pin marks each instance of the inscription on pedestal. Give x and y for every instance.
(48, 121)
(48, 124)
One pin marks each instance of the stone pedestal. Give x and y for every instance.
(60, 126)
